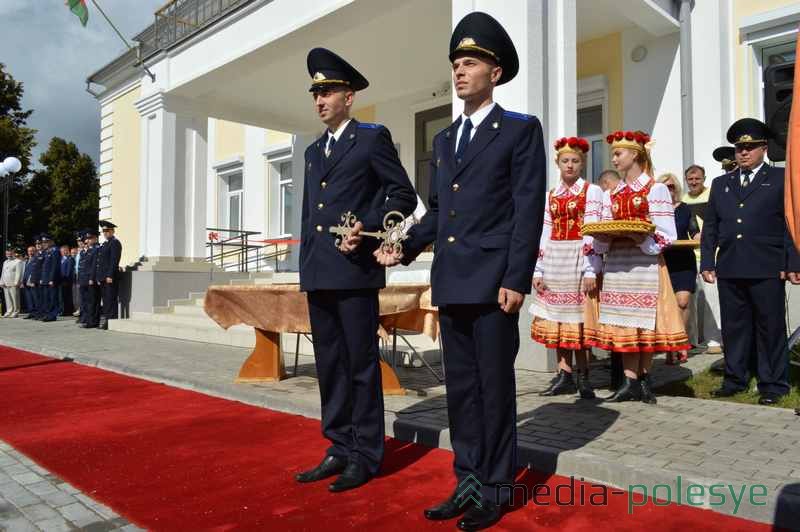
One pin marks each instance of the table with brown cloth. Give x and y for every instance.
(281, 308)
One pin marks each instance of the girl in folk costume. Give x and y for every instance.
(564, 278)
(638, 312)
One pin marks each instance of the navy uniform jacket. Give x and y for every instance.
(749, 227)
(36, 269)
(108, 257)
(67, 268)
(363, 174)
(486, 213)
(51, 266)
(88, 265)
(28, 271)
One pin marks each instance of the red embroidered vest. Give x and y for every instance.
(630, 205)
(566, 211)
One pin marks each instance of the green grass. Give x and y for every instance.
(701, 385)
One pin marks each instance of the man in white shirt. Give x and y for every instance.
(10, 280)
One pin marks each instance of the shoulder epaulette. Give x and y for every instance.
(517, 116)
(367, 125)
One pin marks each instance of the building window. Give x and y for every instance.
(286, 196)
(234, 185)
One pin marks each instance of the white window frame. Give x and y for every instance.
(225, 170)
(593, 92)
(275, 157)
(764, 30)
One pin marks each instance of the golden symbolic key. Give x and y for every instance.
(391, 237)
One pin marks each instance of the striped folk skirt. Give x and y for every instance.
(560, 312)
(638, 312)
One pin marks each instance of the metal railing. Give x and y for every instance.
(234, 249)
(180, 18)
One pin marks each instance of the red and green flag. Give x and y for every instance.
(78, 7)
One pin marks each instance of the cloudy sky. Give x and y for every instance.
(44, 45)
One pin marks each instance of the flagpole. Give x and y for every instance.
(100, 9)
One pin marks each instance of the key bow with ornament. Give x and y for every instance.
(392, 236)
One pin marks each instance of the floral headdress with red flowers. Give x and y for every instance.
(633, 140)
(571, 144)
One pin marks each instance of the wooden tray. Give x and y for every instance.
(619, 228)
(685, 244)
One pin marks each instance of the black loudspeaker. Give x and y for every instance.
(778, 83)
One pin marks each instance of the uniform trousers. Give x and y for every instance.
(344, 326)
(480, 344)
(110, 306)
(754, 334)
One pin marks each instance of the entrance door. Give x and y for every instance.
(427, 124)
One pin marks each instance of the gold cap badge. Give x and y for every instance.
(319, 76)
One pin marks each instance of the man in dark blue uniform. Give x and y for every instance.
(27, 288)
(50, 279)
(37, 292)
(352, 167)
(106, 273)
(89, 289)
(745, 219)
(487, 200)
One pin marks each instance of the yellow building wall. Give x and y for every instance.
(229, 140)
(276, 137)
(125, 174)
(365, 114)
(603, 56)
(746, 104)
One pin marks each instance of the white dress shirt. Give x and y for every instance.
(476, 118)
(755, 172)
(335, 134)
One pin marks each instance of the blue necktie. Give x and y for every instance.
(331, 143)
(746, 177)
(464, 140)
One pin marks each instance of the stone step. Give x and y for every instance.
(192, 310)
(238, 336)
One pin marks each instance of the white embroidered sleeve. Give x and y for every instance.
(605, 214)
(662, 214)
(592, 261)
(547, 230)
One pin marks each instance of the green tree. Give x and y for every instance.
(18, 140)
(69, 180)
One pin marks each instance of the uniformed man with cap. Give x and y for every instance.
(90, 290)
(745, 220)
(352, 167)
(50, 278)
(726, 157)
(487, 198)
(106, 273)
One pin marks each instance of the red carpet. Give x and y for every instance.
(170, 459)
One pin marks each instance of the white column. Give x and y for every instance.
(173, 184)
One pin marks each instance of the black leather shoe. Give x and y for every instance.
(647, 392)
(48, 319)
(584, 387)
(769, 399)
(353, 476)
(330, 466)
(561, 385)
(450, 508)
(630, 390)
(83, 326)
(103, 324)
(724, 392)
(481, 516)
